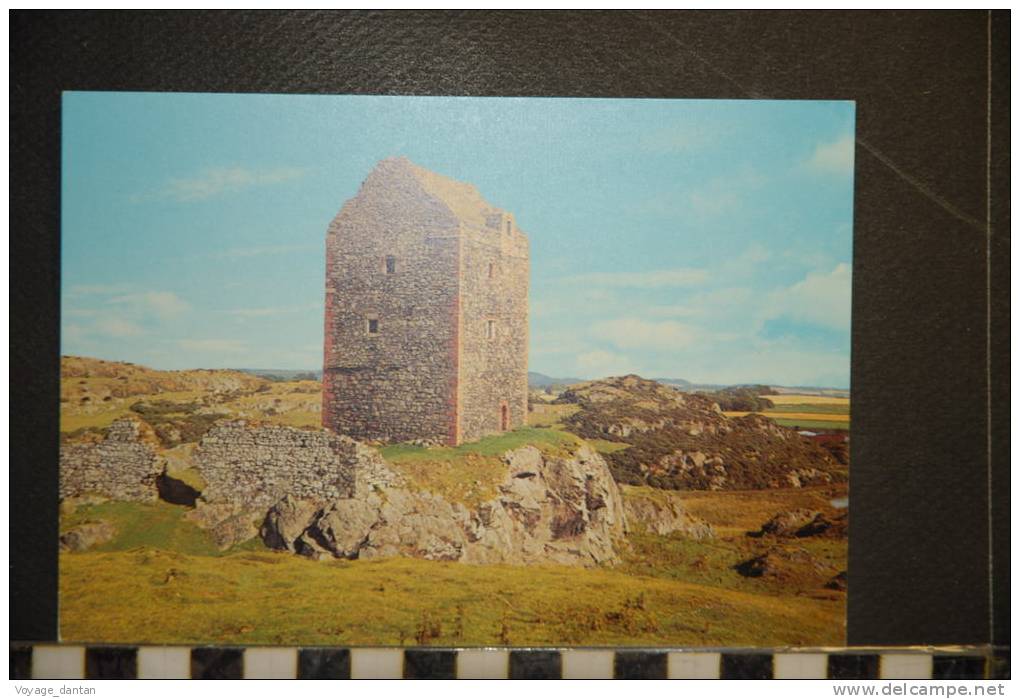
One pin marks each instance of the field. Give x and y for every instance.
(807, 411)
(162, 581)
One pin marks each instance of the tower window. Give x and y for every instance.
(490, 329)
(391, 264)
(372, 326)
(509, 226)
(492, 270)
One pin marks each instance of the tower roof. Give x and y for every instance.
(463, 199)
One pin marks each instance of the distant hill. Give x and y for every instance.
(536, 380)
(285, 374)
(89, 380)
(687, 386)
(813, 391)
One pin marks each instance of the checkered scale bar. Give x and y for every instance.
(177, 662)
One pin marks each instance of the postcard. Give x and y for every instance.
(439, 371)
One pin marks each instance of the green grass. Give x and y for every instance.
(151, 596)
(156, 524)
(161, 579)
(604, 446)
(733, 513)
(550, 414)
(548, 440)
(470, 473)
(710, 562)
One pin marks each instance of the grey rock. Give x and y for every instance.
(788, 523)
(563, 509)
(664, 514)
(286, 521)
(87, 535)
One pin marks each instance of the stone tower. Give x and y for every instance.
(426, 323)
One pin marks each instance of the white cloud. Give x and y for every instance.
(821, 298)
(74, 334)
(81, 313)
(711, 202)
(267, 311)
(258, 312)
(836, 157)
(718, 196)
(256, 250)
(117, 327)
(222, 180)
(164, 304)
(783, 362)
(676, 310)
(680, 276)
(98, 289)
(601, 363)
(219, 345)
(717, 303)
(635, 333)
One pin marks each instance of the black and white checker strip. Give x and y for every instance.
(178, 662)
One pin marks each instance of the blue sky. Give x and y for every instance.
(706, 240)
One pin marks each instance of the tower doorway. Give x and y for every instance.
(504, 417)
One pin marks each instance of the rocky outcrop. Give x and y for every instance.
(683, 441)
(228, 524)
(123, 466)
(787, 523)
(838, 582)
(802, 477)
(804, 523)
(789, 565)
(550, 509)
(86, 535)
(662, 513)
(834, 526)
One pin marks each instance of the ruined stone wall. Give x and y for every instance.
(494, 287)
(255, 465)
(401, 383)
(121, 467)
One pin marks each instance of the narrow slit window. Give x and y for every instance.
(490, 329)
(509, 227)
(391, 264)
(492, 270)
(372, 326)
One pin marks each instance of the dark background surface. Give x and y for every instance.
(923, 446)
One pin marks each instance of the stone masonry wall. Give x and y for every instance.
(494, 287)
(120, 467)
(256, 465)
(401, 383)
(426, 322)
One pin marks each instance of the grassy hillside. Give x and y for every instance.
(95, 392)
(152, 596)
(162, 581)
